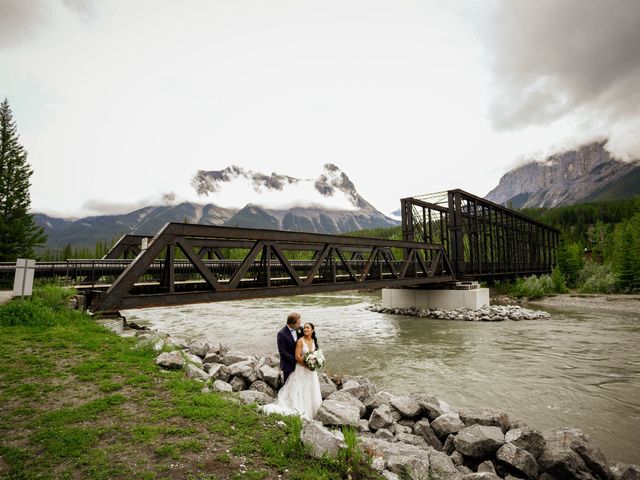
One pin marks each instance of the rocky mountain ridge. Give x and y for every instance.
(588, 173)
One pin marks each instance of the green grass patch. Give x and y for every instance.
(81, 402)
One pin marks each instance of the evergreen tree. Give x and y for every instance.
(18, 232)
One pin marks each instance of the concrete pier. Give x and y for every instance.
(461, 294)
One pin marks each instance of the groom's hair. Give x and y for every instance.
(293, 318)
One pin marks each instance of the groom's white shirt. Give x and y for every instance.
(293, 334)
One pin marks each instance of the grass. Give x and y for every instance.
(77, 401)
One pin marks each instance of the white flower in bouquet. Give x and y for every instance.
(314, 360)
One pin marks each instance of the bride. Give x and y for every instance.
(300, 395)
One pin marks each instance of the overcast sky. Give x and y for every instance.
(120, 103)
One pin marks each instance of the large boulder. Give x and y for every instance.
(244, 370)
(446, 424)
(212, 357)
(359, 387)
(518, 459)
(191, 358)
(423, 428)
(485, 416)
(411, 439)
(238, 384)
(570, 454)
(232, 357)
(441, 465)
(170, 360)
(270, 375)
(374, 401)
(254, 396)
(261, 386)
(217, 371)
(199, 348)
(406, 406)
(194, 372)
(346, 397)
(327, 387)
(320, 440)
(380, 418)
(221, 386)
(478, 441)
(431, 406)
(407, 461)
(336, 413)
(524, 437)
(481, 476)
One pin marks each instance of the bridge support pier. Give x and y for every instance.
(461, 294)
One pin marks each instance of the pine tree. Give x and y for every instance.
(18, 231)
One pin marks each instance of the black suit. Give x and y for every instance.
(287, 349)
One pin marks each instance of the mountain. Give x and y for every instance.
(346, 210)
(315, 220)
(588, 173)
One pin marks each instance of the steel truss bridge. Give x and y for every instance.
(447, 236)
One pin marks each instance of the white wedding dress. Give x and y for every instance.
(300, 395)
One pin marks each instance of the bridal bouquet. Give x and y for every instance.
(314, 360)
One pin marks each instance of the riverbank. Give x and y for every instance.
(77, 401)
(629, 303)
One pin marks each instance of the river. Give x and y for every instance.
(575, 369)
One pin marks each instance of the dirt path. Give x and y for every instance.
(617, 303)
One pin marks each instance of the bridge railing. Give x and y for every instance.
(267, 263)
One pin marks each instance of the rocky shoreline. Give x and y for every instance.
(494, 313)
(416, 436)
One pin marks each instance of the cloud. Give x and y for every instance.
(106, 207)
(21, 20)
(553, 60)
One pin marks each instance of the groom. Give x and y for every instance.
(287, 338)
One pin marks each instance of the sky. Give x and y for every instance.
(120, 103)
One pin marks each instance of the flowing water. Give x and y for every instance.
(573, 370)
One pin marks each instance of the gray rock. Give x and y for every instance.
(374, 401)
(363, 426)
(243, 369)
(406, 406)
(486, 466)
(194, 372)
(518, 459)
(205, 389)
(273, 361)
(622, 471)
(448, 423)
(449, 447)
(333, 412)
(385, 434)
(464, 470)
(170, 360)
(530, 440)
(380, 418)
(411, 439)
(232, 357)
(401, 429)
(221, 386)
(389, 475)
(261, 386)
(213, 349)
(478, 441)
(485, 416)
(457, 458)
(414, 465)
(217, 371)
(223, 349)
(175, 342)
(441, 466)
(320, 440)
(431, 406)
(407, 422)
(570, 454)
(346, 397)
(199, 348)
(270, 375)
(194, 359)
(254, 396)
(422, 428)
(327, 388)
(359, 387)
(481, 476)
(211, 358)
(238, 384)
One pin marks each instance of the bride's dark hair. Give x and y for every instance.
(313, 334)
